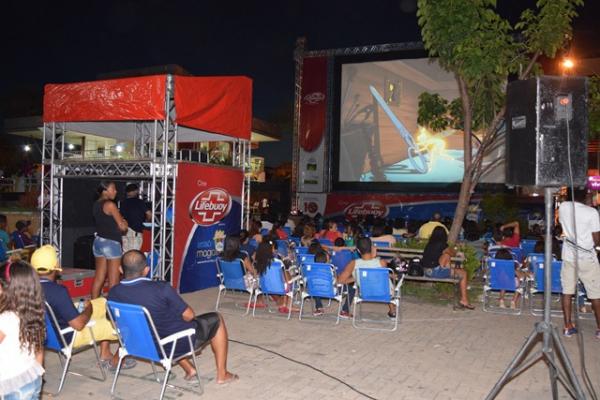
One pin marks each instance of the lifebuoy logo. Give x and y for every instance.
(375, 208)
(210, 206)
(314, 98)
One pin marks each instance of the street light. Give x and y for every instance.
(567, 65)
(27, 148)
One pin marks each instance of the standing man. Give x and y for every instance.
(135, 211)
(579, 244)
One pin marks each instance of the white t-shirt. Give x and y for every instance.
(587, 221)
(18, 366)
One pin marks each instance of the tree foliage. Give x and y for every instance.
(470, 39)
(594, 107)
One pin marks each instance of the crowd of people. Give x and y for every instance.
(24, 287)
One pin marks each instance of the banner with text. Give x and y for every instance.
(207, 208)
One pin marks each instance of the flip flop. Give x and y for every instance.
(466, 306)
(232, 378)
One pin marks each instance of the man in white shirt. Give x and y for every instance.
(580, 245)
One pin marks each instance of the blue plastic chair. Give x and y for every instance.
(341, 258)
(273, 282)
(301, 250)
(138, 338)
(295, 240)
(319, 281)
(287, 230)
(501, 276)
(61, 341)
(325, 242)
(282, 247)
(373, 285)
(381, 244)
(305, 258)
(264, 231)
(231, 277)
(539, 286)
(527, 246)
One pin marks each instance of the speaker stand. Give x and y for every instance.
(552, 350)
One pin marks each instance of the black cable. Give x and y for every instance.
(580, 344)
(306, 365)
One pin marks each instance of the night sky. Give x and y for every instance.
(69, 41)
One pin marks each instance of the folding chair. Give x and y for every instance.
(57, 341)
(381, 244)
(319, 281)
(527, 246)
(501, 276)
(138, 337)
(231, 277)
(305, 258)
(538, 287)
(273, 282)
(301, 250)
(325, 242)
(282, 247)
(340, 259)
(374, 285)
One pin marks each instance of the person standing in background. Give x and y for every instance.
(107, 247)
(135, 211)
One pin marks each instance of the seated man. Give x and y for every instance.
(428, 227)
(171, 314)
(45, 261)
(367, 258)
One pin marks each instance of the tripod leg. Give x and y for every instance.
(562, 354)
(506, 376)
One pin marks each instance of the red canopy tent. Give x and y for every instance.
(205, 106)
(154, 112)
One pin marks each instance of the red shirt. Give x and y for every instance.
(331, 235)
(513, 241)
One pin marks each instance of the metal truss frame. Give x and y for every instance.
(154, 163)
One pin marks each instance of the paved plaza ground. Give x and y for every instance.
(436, 353)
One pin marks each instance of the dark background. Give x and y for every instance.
(69, 41)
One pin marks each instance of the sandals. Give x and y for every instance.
(127, 363)
(391, 315)
(467, 306)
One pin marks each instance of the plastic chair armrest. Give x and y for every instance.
(66, 330)
(90, 324)
(295, 279)
(177, 335)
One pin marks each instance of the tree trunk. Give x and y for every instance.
(464, 198)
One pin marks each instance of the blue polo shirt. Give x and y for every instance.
(58, 297)
(162, 302)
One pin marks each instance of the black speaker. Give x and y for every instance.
(546, 121)
(83, 256)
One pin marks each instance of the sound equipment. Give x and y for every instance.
(83, 256)
(546, 118)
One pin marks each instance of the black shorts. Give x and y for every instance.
(206, 328)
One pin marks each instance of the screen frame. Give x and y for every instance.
(334, 148)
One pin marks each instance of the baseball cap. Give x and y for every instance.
(44, 259)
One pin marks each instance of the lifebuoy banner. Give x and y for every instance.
(207, 209)
(313, 103)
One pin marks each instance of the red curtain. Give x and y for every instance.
(215, 104)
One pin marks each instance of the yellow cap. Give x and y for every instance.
(44, 259)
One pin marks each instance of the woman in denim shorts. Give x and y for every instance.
(110, 226)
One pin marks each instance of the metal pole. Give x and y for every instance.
(547, 333)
